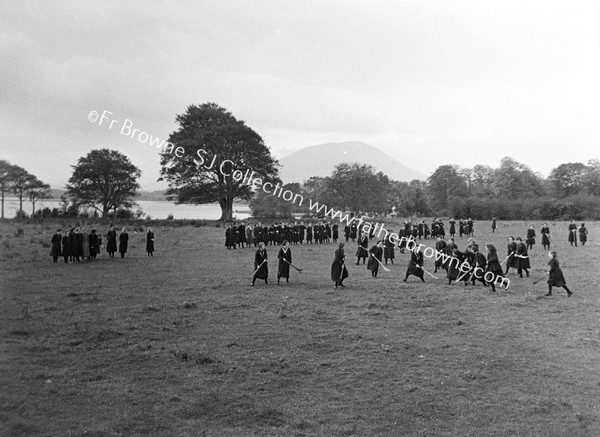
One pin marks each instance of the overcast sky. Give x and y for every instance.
(428, 82)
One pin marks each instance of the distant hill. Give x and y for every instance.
(320, 160)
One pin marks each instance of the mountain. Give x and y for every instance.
(320, 160)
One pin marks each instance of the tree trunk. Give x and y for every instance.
(226, 209)
(33, 210)
(3, 202)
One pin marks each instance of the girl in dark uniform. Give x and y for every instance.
(555, 275)
(260, 264)
(583, 234)
(511, 250)
(150, 242)
(123, 242)
(285, 259)
(111, 242)
(530, 241)
(522, 258)
(66, 246)
(493, 264)
(362, 251)
(573, 233)
(415, 265)
(56, 241)
(388, 251)
(545, 236)
(375, 255)
(338, 267)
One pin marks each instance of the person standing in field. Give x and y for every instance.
(583, 234)
(66, 246)
(493, 264)
(261, 268)
(522, 258)
(285, 259)
(85, 244)
(150, 242)
(494, 224)
(440, 247)
(530, 241)
(123, 242)
(545, 236)
(111, 241)
(362, 251)
(55, 244)
(375, 255)
(389, 250)
(249, 235)
(512, 261)
(415, 265)
(338, 267)
(555, 275)
(573, 233)
(94, 242)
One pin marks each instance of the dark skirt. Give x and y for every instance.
(338, 272)
(556, 278)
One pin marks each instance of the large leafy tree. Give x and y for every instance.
(104, 180)
(6, 170)
(358, 188)
(567, 179)
(514, 180)
(445, 183)
(36, 190)
(20, 179)
(208, 147)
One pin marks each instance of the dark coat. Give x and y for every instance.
(94, 244)
(111, 241)
(583, 234)
(388, 251)
(545, 236)
(572, 233)
(493, 265)
(283, 270)
(338, 268)
(555, 277)
(55, 249)
(513, 261)
(415, 265)
(150, 242)
(123, 242)
(66, 245)
(362, 251)
(522, 257)
(530, 236)
(259, 257)
(372, 264)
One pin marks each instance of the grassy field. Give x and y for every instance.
(181, 345)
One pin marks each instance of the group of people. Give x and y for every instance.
(246, 235)
(469, 265)
(76, 245)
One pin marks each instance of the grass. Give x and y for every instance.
(181, 345)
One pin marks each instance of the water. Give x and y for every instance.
(154, 209)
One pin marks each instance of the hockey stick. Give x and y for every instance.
(300, 270)
(384, 267)
(258, 268)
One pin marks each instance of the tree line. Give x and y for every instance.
(217, 146)
(510, 192)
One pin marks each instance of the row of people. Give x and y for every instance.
(77, 245)
(297, 233)
(468, 265)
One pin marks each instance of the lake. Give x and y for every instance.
(154, 209)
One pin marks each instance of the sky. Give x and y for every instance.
(436, 82)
